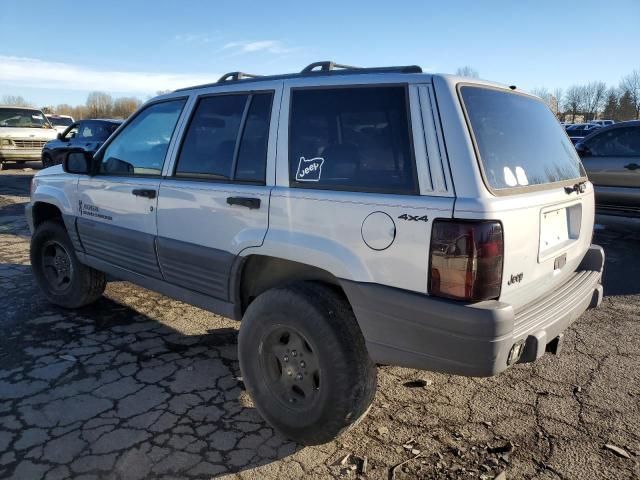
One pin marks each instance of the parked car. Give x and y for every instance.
(346, 217)
(602, 123)
(23, 133)
(578, 131)
(611, 157)
(87, 135)
(60, 122)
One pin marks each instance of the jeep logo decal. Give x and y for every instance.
(517, 278)
(309, 170)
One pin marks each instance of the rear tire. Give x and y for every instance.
(304, 362)
(58, 272)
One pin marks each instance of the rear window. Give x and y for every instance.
(351, 138)
(519, 141)
(60, 121)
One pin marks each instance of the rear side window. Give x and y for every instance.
(252, 154)
(618, 142)
(354, 138)
(519, 141)
(227, 139)
(96, 131)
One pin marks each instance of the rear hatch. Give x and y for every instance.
(539, 190)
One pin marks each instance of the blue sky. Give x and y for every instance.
(55, 51)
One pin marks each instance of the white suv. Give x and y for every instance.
(349, 217)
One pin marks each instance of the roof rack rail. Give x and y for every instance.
(326, 66)
(236, 76)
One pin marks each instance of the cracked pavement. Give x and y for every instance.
(142, 386)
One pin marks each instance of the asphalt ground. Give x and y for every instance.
(142, 386)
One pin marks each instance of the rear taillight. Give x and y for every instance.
(466, 259)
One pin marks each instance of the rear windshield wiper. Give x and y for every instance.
(579, 187)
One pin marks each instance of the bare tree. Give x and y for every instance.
(64, 109)
(16, 101)
(573, 98)
(544, 95)
(99, 105)
(558, 94)
(631, 83)
(467, 71)
(594, 97)
(125, 106)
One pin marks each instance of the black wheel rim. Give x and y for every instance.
(290, 367)
(56, 266)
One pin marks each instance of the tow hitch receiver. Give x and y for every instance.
(555, 345)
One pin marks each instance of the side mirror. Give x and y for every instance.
(77, 161)
(583, 150)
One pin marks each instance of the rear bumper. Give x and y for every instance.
(20, 155)
(418, 331)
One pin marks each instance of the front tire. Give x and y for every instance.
(58, 272)
(304, 362)
(47, 161)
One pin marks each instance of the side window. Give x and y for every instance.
(140, 148)
(85, 131)
(70, 133)
(351, 139)
(100, 131)
(252, 154)
(210, 147)
(619, 142)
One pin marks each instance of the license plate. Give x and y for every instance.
(553, 229)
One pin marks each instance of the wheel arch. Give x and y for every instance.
(255, 274)
(43, 211)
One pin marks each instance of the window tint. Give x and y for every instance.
(619, 142)
(96, 131)
(252, 155)
(210, 143)
(519, 140)
(140, 148)
(351, 139)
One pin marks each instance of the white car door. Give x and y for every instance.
(215, 200)
(116, 218)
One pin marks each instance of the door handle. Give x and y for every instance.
(144, 192)
(632, 166)
(244, 202)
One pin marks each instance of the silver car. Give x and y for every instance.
(611, 157)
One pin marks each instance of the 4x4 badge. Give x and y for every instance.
(414, 218)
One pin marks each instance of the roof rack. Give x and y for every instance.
(337, 68)
(326, 66)
(316, 68)
(236, 76)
